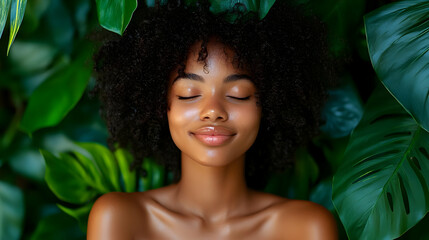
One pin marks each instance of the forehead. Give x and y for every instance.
(218, 55)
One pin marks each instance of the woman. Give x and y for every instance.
(237, 98)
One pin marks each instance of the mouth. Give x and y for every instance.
(213, 135)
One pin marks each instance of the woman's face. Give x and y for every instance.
(213, 115)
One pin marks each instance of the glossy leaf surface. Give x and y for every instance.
(79, 176)
(17, 11)
(105, 162)
(68, 179)
(11, 211)
(4, 10)
(382, 188)
(55, 97)
(114, 15)
(398, 37)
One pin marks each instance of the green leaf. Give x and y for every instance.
(322, 194)
(80, 214)
(105, 162)
(11, 211)
(55, 97)
(382, 188)
(158, 173)
(4, 10)
(398, 37)
(154, 175)
(68, 179)
(262, 7)
(96, 178)
(114, 15)
(342, 111)
(57, 226)
(129, 177)
(17, 11)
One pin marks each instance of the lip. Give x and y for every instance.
(213, 135)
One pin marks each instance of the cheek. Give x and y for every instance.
(179, 119)
(248, 120)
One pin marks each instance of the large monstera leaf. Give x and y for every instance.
(382, 188)
(398, 42)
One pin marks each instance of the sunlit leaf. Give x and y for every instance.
(398, 37)
(55, 97)
(128, 176)
(68, 179)
(17, 11)
(4, 10)
(105, 162)
(382, 188)
(114, 15)
(154, 177)
(11, 211)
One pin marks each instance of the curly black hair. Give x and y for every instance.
(286, 54)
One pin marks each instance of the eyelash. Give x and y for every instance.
(191, 97)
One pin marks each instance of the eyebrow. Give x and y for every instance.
(230, 78)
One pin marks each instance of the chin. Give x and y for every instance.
(214, 159)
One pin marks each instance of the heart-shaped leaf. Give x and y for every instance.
(398, 37)
(114, 15)
(382, 188)
(17, 11)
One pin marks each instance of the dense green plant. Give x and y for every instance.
(384, 180)
(53, 140)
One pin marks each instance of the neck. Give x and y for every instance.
(210, 192)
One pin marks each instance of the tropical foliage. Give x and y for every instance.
(370, 165)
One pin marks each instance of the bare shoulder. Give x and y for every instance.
(118, 215)
(300, 219)
(115, 216)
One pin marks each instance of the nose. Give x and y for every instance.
(213, 110)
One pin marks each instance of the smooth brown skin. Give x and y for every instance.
(211, 201)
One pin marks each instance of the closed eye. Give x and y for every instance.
(187, 98)
(237, 98)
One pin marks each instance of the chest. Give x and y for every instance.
(165, 225)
